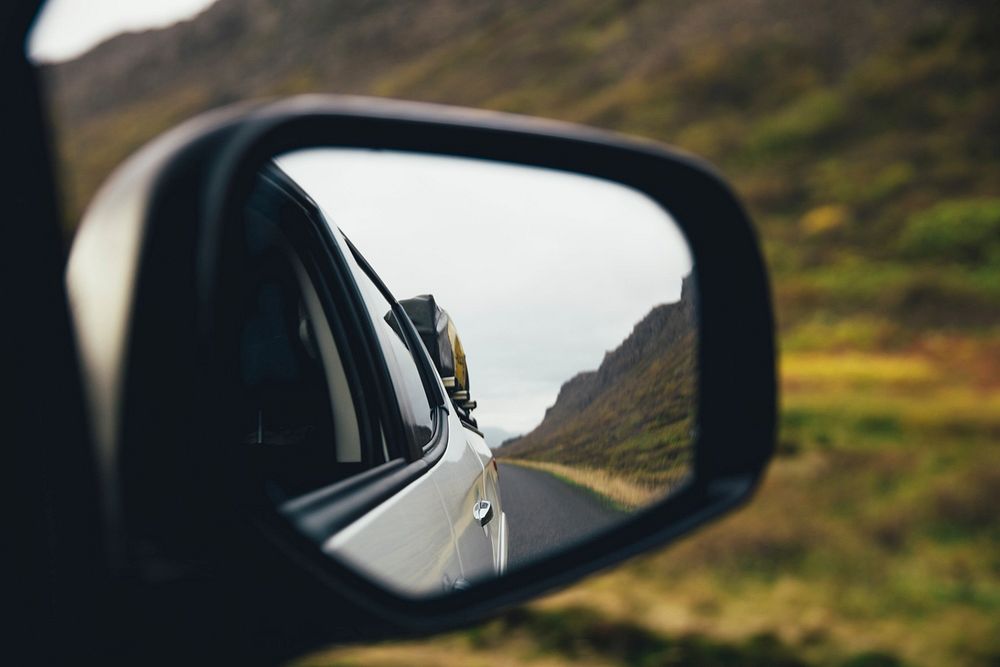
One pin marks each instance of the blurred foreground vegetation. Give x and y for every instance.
(865, 139)
(872, 542)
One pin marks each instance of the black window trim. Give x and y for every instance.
(320, 513)
(340, 294)
(436, 396)
(301, 242)
(428, 372)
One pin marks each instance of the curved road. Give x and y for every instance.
(545, 513)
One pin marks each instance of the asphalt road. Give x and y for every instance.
(544, 513)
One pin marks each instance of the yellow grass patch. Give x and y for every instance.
(962, 408)
(620, 490)
(856, 368)
(444, 652)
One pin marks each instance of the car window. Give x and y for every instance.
(411, 393)
(298, 412)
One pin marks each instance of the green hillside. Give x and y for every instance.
(633, 416)
(853, 131)
(865, 140)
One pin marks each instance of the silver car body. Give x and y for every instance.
(426, 538)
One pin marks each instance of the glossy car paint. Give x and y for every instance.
(460, 478)
(497, 528)
(406, 543)
(424, 539)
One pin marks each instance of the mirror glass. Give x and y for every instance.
(474, 364)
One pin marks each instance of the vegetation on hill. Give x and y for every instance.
(865, 139)
(634, 416)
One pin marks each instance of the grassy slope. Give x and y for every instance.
(638, 429)
(865, 139)
(872, 542)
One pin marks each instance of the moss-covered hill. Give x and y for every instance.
(634, 415)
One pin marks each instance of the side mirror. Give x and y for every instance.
(288, 451)
(440, 336)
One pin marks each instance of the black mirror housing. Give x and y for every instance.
(183, 521)
(440, 337)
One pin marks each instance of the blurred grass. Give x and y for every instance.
(873, 541)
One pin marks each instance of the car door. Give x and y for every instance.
(315, 428)
(496, 527)
(458, 475)
(460, 480)
(408, 540)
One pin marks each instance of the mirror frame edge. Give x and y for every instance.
(738, 325)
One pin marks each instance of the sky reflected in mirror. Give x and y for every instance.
(542, 276)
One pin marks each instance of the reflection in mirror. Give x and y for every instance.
(539, 336)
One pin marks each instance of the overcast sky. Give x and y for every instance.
(542, 271)
(68, 28)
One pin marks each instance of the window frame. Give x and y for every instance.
(322, 512)
(297, 244)
(345, 311)
(324, 257)
(433, 388)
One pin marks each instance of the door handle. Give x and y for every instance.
(482, 512)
